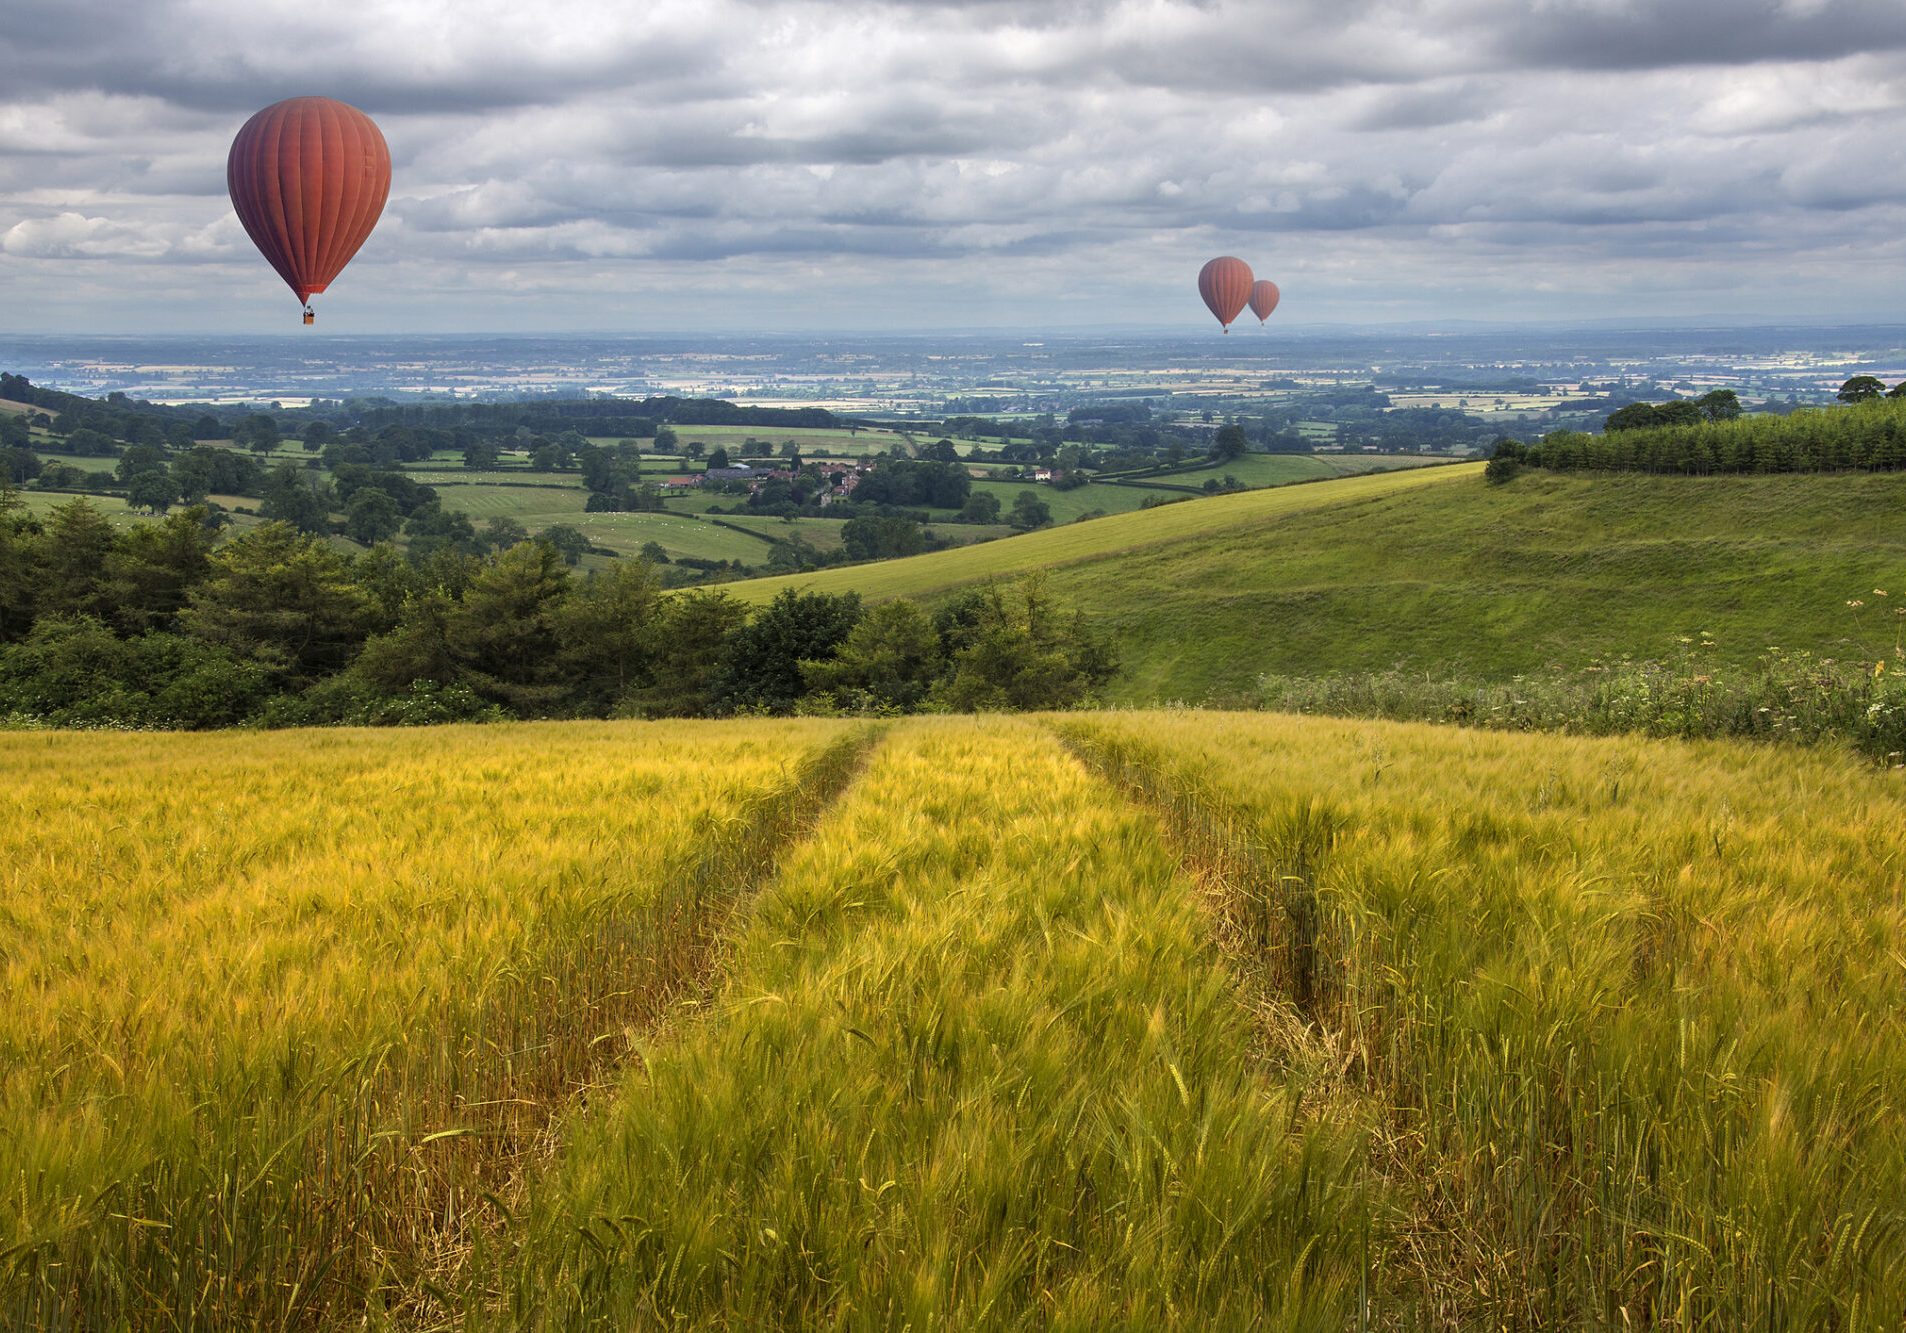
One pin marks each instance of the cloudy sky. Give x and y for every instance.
(761, 164)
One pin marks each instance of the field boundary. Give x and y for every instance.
(1262, 890)
(715, 522)
(745, 852)
(378, 1191)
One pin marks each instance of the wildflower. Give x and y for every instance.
(1879, 592)
(1856, 602)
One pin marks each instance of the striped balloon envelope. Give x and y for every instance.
(1264, 296)
(308, 177)
(1225, 285)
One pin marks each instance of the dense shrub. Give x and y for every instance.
(1783, 697)
(77, 672)
(1868, 436)
(159, 626)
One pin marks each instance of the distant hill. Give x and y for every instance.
(1438, 571)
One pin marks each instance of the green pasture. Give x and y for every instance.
(1430, 568)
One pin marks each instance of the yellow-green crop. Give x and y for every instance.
(281, 1009)
(1140, 1020)
(1627, 1012)
(975, 1067)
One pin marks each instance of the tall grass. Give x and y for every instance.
(1272, 1022)
(1791, 697)
(284, 1012)
(974, 1068)
(1625, 1014)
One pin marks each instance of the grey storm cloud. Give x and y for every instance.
(1090, 151)
(1650, 34)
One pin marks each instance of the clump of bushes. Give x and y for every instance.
(175, 625)
(1792, 697)
(1869, 435)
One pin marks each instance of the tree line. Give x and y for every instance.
(167, 624)
(1867, 435)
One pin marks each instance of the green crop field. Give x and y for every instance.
(1150, 1020)
(1282, 469)
(528, 504)
(1115, 537)
(537, 507)
(84, 462)
(114, 507)
(678, 534)
(1253, 470)
(1070, 504)
(823, 533)
(1434, 570)
(833, 439)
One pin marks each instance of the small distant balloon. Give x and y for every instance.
(1225, 285)
(308, 177)
(1264, 296)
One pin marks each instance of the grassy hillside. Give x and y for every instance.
(1169, 1020)
(1251, 470)
(1114, 537)
(1436, 570)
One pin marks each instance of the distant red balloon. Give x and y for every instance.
(1225, 284)
(308, 177)
(1264, 296)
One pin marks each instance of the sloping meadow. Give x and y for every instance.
(1106, 1020)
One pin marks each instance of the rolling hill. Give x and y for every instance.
(1436, 570)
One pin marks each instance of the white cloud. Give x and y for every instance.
(76, 236)
(1402, 157)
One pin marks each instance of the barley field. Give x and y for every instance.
(1624, 1015)
(1108, 1020)
(281, 1010)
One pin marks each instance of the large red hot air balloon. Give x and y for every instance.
(1264, 296)
(308, 177)
(1225, 284)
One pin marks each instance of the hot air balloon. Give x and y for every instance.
(308, 177)
(1225, 284)
(1264, 296)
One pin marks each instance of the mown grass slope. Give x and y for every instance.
(1436, 570)
(1113, 537)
